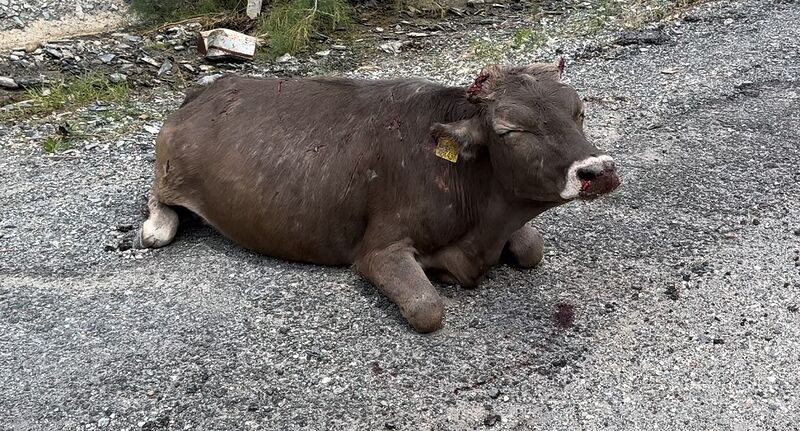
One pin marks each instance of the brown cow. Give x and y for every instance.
(404, 179)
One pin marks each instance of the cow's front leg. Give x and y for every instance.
(398, 275)
(526, 246)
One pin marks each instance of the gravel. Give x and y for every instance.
(19, 14)
(663, 306)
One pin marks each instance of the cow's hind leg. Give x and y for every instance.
(398, 275)
(526, 247)
(159, 228)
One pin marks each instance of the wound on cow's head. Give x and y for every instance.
(532, 124)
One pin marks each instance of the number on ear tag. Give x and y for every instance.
(447, 148)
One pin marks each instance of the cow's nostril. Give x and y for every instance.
(587, 174)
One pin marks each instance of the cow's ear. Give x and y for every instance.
(482, 88)
(468, 134)
(552, 71)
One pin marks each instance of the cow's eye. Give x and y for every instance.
(509, 132)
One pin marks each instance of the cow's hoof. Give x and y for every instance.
(137, 240)
(527, 247)
(424, 314)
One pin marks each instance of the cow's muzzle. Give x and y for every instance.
(590, 178)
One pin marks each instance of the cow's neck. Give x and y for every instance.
(501, 214)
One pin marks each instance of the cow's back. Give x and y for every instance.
(283, 166)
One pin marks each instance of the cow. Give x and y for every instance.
(406, 180)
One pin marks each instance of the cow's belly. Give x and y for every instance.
(293, 239)
(284, 231)
(304, 215)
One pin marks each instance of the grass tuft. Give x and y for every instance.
(75, 94)
(55, 144)
(62, 140)
(290, 25)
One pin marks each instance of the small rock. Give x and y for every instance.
(285, 58)
(325, 53)
(797, 231)
(728, 21)
(417, 34)
(166, 67)
(389, 425)
(325, 380)
(151, 129)
(116, 78)
(9, 83)
(670, 71)
(133, 38)
(493, 418)
(18, 22)
(672, 292)
(13, 57)
(206, 80)
(494, 394)
(379, 29)
(756, 222)
(475, 3)
(179, 47)
(103, 422)
(107, 58)
(339, 47)
(55, 53)
(149, 60)
(109, 247)
(188, 67)
(392, 47)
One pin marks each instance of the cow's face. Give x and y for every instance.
(532, 124)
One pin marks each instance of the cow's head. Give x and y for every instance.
(532, 124)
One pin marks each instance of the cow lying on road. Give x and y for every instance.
(404, 179)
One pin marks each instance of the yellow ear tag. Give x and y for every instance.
(447, 148)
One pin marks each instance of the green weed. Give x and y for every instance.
(54, 144)
(289, 25)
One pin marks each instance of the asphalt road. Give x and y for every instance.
(685, 284)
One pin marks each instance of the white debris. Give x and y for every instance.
(285, 58)
(222, 43)
(253, 8)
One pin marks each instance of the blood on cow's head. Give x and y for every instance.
(532, 125)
